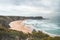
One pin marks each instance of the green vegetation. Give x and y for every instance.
(8, 34)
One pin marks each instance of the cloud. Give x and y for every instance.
(24, 10)
(28, 7)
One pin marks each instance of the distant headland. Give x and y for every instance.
(5, 20)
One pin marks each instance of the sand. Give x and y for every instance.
(19, 26)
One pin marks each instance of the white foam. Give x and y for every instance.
(42, 26)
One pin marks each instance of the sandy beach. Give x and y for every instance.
(19, 26)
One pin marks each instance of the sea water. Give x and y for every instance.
(44, 25)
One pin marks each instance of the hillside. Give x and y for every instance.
(5, 20)
(9, 34)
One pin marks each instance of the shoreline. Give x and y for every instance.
(52, 35)
(20, 26)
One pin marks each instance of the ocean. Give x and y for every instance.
(51, 26)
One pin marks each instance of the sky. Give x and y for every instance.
(45, 8)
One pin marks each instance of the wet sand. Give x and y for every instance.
(19, 26)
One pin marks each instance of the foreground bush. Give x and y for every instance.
(8, 34)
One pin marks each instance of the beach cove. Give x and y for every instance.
(28, 27)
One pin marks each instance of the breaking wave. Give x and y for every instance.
(43, 25)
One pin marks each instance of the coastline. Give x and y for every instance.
(52, 35)
(20, 26)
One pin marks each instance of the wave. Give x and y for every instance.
(43, 25)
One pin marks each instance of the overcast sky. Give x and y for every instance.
(44, 8)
